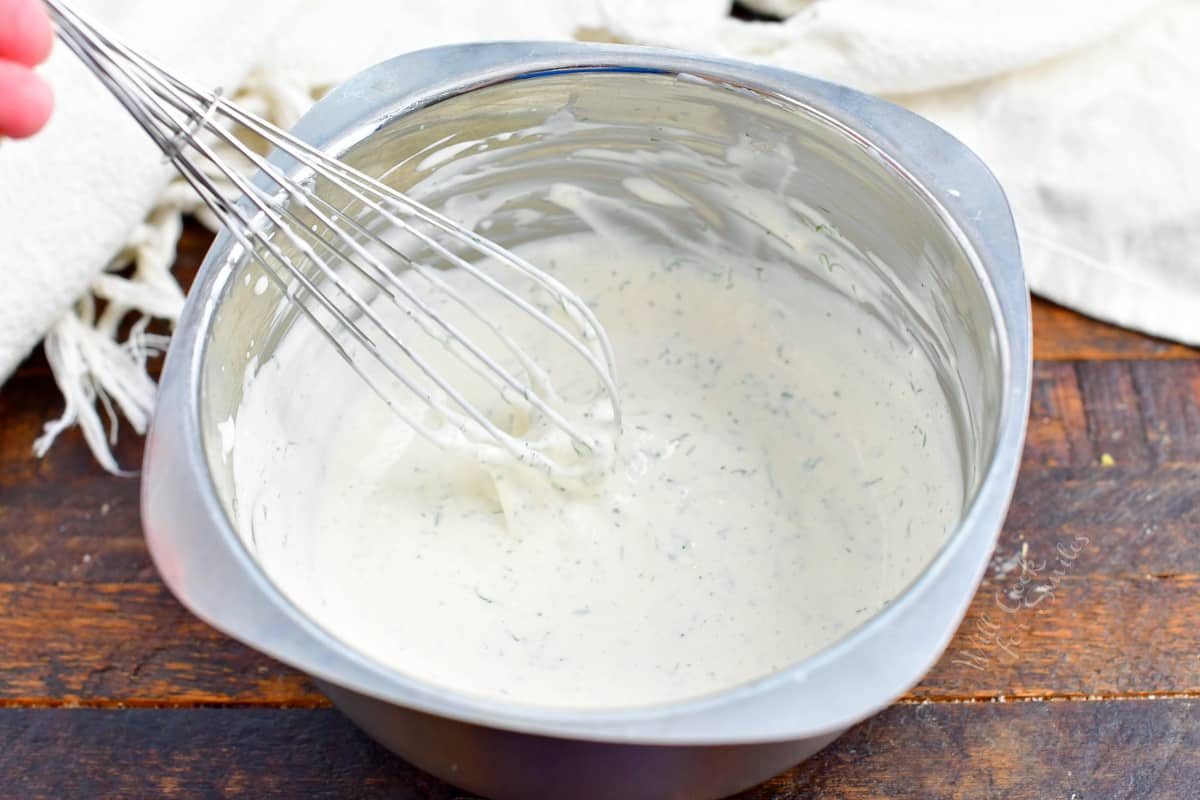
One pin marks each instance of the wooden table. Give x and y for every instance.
(1091, 689)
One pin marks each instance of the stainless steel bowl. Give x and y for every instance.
(895, 185)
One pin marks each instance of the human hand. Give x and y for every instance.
(25, 39)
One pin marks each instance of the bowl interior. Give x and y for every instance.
(753, 169)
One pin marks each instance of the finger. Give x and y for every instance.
(25, 101)
(25, 32)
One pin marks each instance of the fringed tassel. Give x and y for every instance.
(93, 371)
(90, 368)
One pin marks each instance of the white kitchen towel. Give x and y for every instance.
(1082, 109)
(1086, 112)
(81, 197)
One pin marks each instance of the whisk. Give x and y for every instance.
(284, 224)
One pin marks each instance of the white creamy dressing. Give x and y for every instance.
(787, 466)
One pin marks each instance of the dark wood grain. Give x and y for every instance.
(1136, 521)
(65, 525)
(1061, 334)
(1114, 750)
(1134, 749)
(102, 644)
(1109, 496)
(198, 753)
(132, 644)
(63, 518)
(1112, 446)
(1081, 636)
(1114, 413)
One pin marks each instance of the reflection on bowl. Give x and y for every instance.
(838, 202)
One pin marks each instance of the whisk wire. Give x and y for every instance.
(345, 178)
(175, 115)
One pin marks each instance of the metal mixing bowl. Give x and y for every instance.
(895, 185)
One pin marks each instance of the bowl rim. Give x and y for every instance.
(781, 705)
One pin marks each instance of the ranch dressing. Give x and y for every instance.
(788, 465)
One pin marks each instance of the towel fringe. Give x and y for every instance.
(94, 371)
